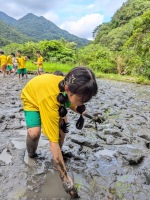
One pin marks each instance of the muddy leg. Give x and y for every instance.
(32, 141)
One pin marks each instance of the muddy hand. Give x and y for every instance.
(70, 188)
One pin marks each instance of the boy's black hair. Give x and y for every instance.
(12, 54)
(80, 81)
(28, 56)
(1, 52)
(38, 52)
(19, 51)
(58, 73)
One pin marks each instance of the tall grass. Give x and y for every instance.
(50, 67)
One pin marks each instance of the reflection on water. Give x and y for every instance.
(5, 157)
(19, 144)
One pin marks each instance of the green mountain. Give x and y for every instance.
(123, 24)
(39, 28)
(8, 35)
(123, 44)
(7, 19)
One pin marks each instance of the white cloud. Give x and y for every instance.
(51, 17)
(84, 26)
(20, 8)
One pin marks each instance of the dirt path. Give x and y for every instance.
(112, 162)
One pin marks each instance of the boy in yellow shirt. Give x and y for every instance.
(21, 60)
(45, 99)
(3, 62)
(39, 63)
(9, 63)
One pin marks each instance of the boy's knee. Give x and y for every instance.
(34, 133)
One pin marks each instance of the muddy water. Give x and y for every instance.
(112, 162)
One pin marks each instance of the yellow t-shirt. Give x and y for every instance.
(40, 94)
(3, 60)
(9, 60)
(40, 62)
(21, 62)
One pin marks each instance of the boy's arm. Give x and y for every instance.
(17, 60)
(60, 165)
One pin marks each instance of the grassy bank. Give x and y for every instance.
(125, 78)
(51, 67)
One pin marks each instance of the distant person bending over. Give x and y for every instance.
(21, 60)
(3, 62)
(45, 101)
(58, 73)
(9, 64)
(14, 63)
(39, 63)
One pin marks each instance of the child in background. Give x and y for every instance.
(45, 101)
(58, 73)
(9, 64)
(14, 63)
(3, 62)
(39, 63)
(21, 60)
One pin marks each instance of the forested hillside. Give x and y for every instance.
(32, 27)
(122, 45)
(40, 28)
(9, 35)
(7, 19)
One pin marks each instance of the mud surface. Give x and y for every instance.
(112, 162)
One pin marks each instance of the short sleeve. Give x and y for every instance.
(50, 119)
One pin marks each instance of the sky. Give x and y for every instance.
(79, 17)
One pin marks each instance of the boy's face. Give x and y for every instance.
(73, 98)
(38, 55)
(18, 54)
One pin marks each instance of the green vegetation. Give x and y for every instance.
(9, 35)
(52, 51)
(50, 67)
(127, 37)
(120, 50)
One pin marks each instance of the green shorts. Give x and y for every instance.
(33, 118)
(9, 67)
(22, 71)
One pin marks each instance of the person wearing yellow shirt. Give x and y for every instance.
(9, 63)
(14, 63)
(21, 60)
(39, 63)
(45, 99)
(3, 62)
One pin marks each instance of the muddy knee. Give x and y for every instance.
(32, 141)
(34, 133)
